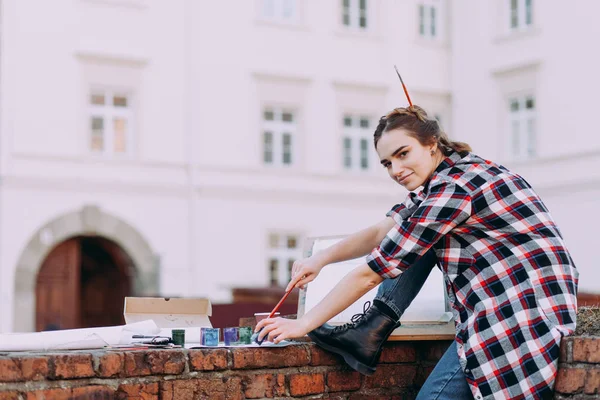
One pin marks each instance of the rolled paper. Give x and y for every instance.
(231, 336)
(209, 336)
(178, 336)
(245, 333)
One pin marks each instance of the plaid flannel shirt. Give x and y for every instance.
(509, 277)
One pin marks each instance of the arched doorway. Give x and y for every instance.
(82, 283)
(89, 221)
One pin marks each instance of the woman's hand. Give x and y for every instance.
(279, 329)
(305, 270)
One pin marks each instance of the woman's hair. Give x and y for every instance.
(427, 131)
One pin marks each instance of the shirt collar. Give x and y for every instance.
(446, 163)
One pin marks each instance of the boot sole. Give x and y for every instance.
(350, 360)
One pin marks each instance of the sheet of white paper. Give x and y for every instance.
(428, 306)
(75, 338)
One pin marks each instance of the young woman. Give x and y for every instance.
(509, 277)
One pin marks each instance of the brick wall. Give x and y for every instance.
(579, 369)
(298, 371)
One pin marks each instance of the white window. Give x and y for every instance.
(520, 14)
(279, 10)
(355, 14)
(283, 250)
(356, 142)
(279, 131)
(429, 19)
(522, 127)
(110, 122)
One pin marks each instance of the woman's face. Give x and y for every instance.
(407, 161)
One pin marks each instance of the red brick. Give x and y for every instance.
(305, 384)
(423, 373)
(10, 370)
(318, 356)
(220, 388)
(398, 353)
(180, 389)
(266, 385)
(138, 391)
(9, 395)
(34, 368)
(586, 349)
(270, 357)
(208, 360)
(433, 350)
(592, 381)
(71, 366)
(50, 394)
(93, 393)
(110, 365)
(570, 380)
(360, 396)
(158, 362)
(339, 381)
(392, 376)
(566, 350)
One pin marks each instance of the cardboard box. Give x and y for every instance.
(169, 312)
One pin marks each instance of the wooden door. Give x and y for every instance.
(58, 283)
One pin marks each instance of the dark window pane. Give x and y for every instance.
(292, 242)
(514, 105)
(347, 152)
(273, 271)
(268, 115)
(363, 22)
(287, 117)
(268, 147)
(530, 103)
(97, 99)
(120, 101)
(514, 13)
(528, 12)
(290, 266)
(347, 121)
(364, 154)
(287, 148)
(363, 5)
(364, 122)
(432, 11)
(422, 20)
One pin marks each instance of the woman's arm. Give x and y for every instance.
(356, 245)
(351, 288)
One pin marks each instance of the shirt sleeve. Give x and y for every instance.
(402, 211)
(446, 206)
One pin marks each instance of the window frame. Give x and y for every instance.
(284, 255)
(278, 14)
(521, 14)
(525, 119)
(279, 129)
(355, 13)
(109, 112)
(430, 22)
(356, 135)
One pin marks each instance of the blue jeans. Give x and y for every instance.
(447, 380)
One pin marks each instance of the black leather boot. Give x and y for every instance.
(360, 342)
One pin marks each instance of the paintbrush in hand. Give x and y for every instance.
(255, 336)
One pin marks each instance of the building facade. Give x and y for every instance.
(188, 147)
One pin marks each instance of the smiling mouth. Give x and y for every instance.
(403, 179)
